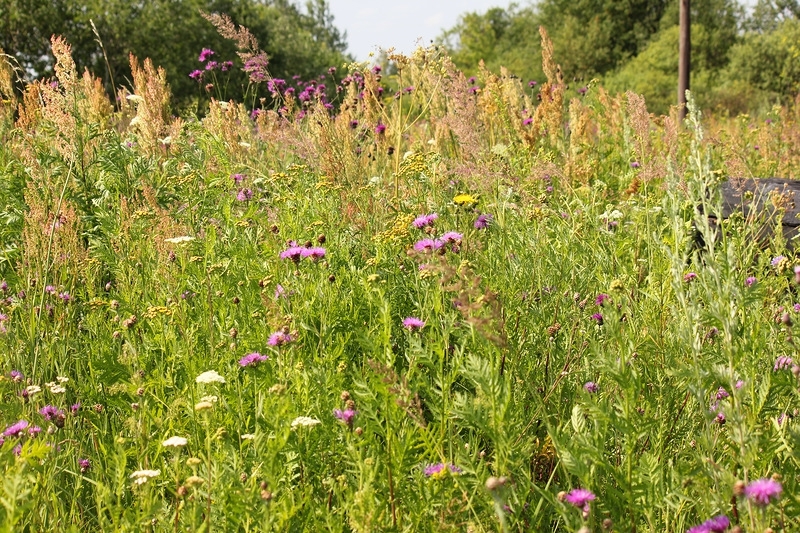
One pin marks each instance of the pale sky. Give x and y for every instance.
(399, 23)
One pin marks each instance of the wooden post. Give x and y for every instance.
(684, 53)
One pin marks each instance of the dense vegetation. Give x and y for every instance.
(434, 303)
(741, 61)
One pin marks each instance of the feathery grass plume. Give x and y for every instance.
(230, 123)
(460, 118)
(549, 112)
(255, 60)
(651, 167)
(152, 109)
(579, 165)
(8, 96)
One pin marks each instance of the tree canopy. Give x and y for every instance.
(298, 40)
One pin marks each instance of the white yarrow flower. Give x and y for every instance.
(210, 376)
(33, 389)
(135, 98)
(211, 399)
(175, 442)
(179, 240)
(248, 436)
(304, 421)
(141, 476)
(61, 379)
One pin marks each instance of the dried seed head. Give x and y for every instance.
(344, 396)
(738, 488)
(493, 483)
(358, 431)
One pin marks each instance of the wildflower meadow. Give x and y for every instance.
(390, 299)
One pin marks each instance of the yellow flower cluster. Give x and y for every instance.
(465, 200)
(156, 310)
(413, 165)
(398, 232)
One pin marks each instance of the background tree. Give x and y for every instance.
(299, 41)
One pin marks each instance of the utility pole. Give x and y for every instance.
(684, 55)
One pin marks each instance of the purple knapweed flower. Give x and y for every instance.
(65, 296)
(427, 245)
(532, 84)
(16, 376)
(380, 128)
(720, 418)
(315, 252)
(244, 194)
(781, 363)
(196, 74)
(598, 317)
(237, 178)
(85, 465)
(590, 386)
(424, 220)
(226, 65)
(293, 252)
(205, 54)
(601, 298)
(49, 289)
(580, 498)
(483, 221)
(211, 65)
(413, 323)
(635, 164)
(54, 414)
(718, 524)
(451, 236)
(583, 90)
(345, 416)
(34, 430)
(439, 470)
(471, 80)
(762, 491)
(777, 260)
(474, 89)
(16, 429)
(750, 281)
(690, 276)
(252, 359)
(4, 286)
(279, 338)
(721, 393)
(527, 122)
(74, 408)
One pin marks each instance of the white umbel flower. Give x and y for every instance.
(141, 476)
(174, 442)
(180, 240)
(210, 376)
(304, 421)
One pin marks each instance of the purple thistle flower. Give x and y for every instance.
(718, 524)
(205, 54)
(196, 74)
(781, 363)
(252, 359)
(293, 252)
(580, 498)
(750, 281)
(279, 338)
(762, 491)
(590, 386)
(451, 236)
(345, 416)
(483, 221)
(601, 298)
(16, 429)
(244, 194)
(424, 220)
(439, 470)
(413, 323)
(54, 414)
(211, 65)
(314, 253)
(427, 245)
(85, 465)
